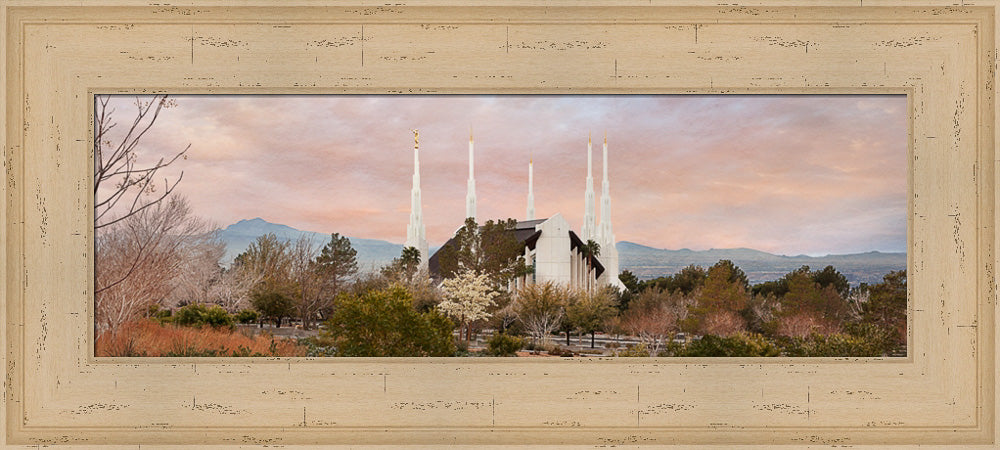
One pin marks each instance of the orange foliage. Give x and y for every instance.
(723, 323)
(145, 337)
(803, 324)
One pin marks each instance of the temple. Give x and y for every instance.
(551, 248)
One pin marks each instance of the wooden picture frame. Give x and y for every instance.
(58, 54)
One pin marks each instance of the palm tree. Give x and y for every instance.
(590, 250)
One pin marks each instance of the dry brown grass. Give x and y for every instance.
(145, 337)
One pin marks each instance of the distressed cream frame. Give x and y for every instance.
(59, 53)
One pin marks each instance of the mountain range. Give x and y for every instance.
(648, 262)
(645, 262)
(372, 253)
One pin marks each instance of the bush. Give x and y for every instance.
(147, 338)
(216, 317)
(639, 350)
(191, 315)
(740, 344)
(196, 315)
(836, 345)
(161, 316)
(384, 323)
(318, 346)
(503, 344)
(247, 316)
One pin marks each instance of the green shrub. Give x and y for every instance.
(216, 317)
(742, 344)
(503, 344)
(385, 323)
(247, 316)
(196, 315)
(161, 316)
(191, 315)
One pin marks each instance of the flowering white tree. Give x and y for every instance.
(467, 296)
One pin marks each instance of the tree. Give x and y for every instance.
(266, 258)
(491, 250)
(630, 281)
(124, 194)
(303, 273)
(886, 306)
(139, 258)
(268, 261)
(232, 288)
(117, 173)
(467, 297)
(273, 301)
(199, 272)
(591, 311)
(632, 286)
(540, 307)
(721, 300)
(337, 262)
(655, 315)
(408, 263)
(686, 281)
(831, 277)
(821, 306)
(384, 323)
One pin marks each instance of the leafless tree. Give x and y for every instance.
(200, 272)
(541, 307)
(139, 259)
(723, 323)
(654, 315)
(232, 290)
(123, 188)
(311, 287)
(116, 162)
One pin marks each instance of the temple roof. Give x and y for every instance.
(525, 233)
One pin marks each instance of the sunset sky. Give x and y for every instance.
(784, 174)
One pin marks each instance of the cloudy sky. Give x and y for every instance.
(784, 174)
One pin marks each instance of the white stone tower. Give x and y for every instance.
(470, 196)
(531, 192)
(415, 235)
(588, 231)
(605, 234)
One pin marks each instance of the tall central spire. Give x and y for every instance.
(415, 234)
(531, 191)
(470, 197)
(606, 236)
(588, 230)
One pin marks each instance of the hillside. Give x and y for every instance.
(238, 236)
(648, 262)
(645, 262)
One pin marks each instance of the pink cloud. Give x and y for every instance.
(793, 174)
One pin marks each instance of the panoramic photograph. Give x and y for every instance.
(500, 226)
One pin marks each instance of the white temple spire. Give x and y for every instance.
(531, 191)
(605, 234)
(470, 196)
(415, 234)
(588, 231)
